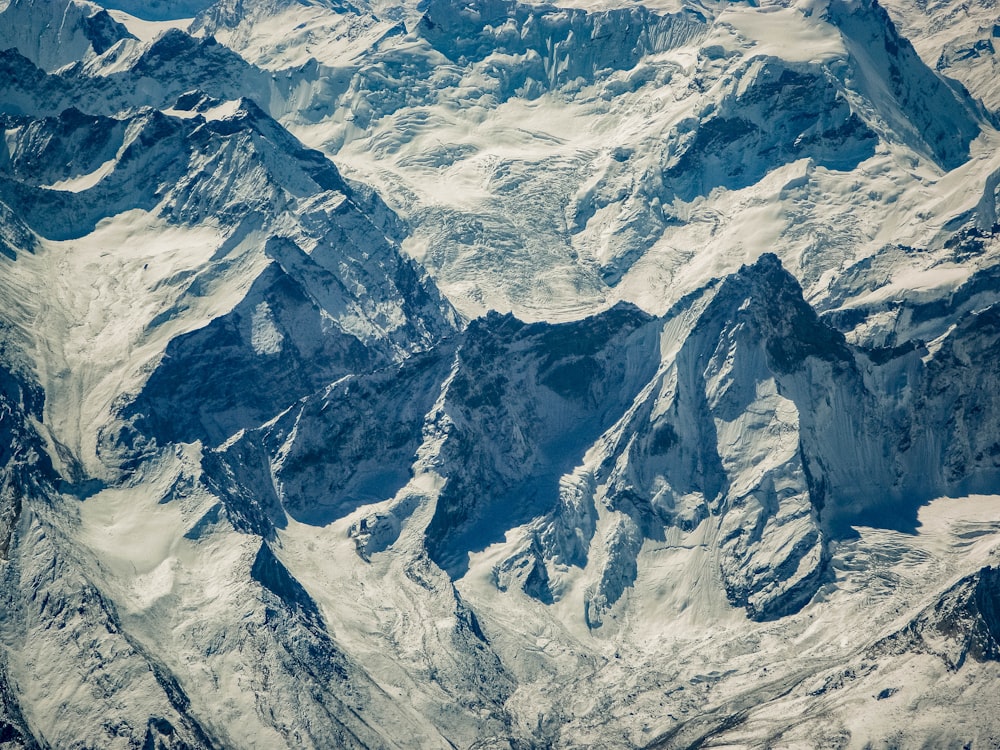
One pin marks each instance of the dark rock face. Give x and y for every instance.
(348, 444)
(775, 114)
(175, 64)
(942, 120)
(527, 572)
(524, 405)
(74, 145)
(161, 735)
(70, 144)
(963, 623)
(24, 471)
(790, 329)
(268, 571)
(104, 32)
(24, 466)
(231, 386)
(760, 358)
(958, 397)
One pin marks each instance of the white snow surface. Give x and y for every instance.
(110, 285)
(482, 172)
(145, 30)
(675, 647)
(86, 181)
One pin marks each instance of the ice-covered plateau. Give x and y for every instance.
(492, 374)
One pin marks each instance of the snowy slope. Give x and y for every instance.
(188, 201)
(576, 160)
(278, 35)
(53, 35)
(958, 39)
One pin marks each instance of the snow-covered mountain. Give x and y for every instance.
(498, 374)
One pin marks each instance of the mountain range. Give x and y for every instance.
(495, 374)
